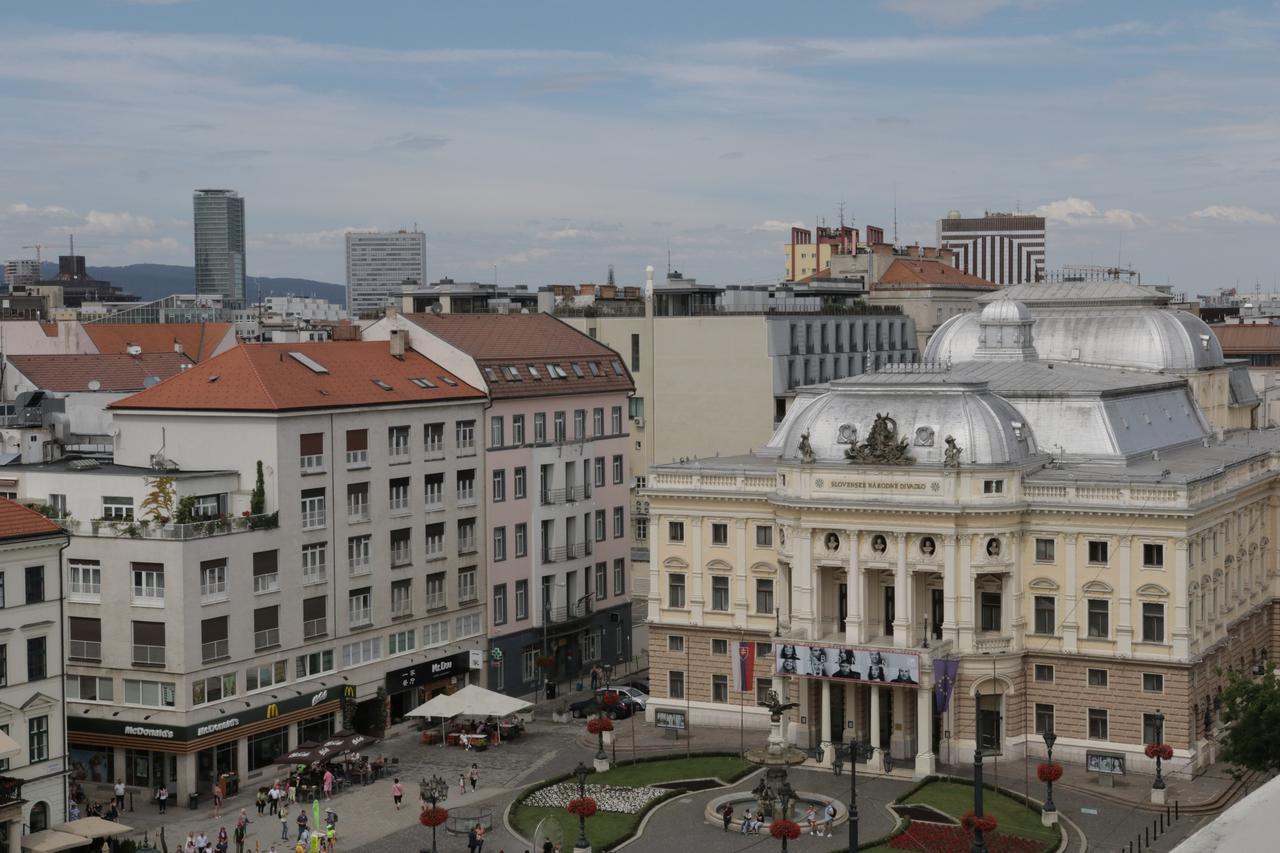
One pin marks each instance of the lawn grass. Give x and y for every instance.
(1013, 817)
(604, 829)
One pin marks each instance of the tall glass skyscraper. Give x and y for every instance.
(219, 240)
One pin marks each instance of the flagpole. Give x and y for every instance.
(742, 695)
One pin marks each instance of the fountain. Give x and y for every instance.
(774, 795)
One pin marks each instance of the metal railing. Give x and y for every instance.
(398, 452)
(467, 595)
(313, 520)
(312, 628)
(578, 549)
(315, 574)
(466, 496)
(399, 504)
(361, 617)
(357, 512)
(359, 565)
(208, 590)
(147, 594)
(435, 549)
(401, 556)
(266, 583)
(434, 450)
(467, 447)
(467, 545)
(10, 790)
(148, 655)
(84, 649)
(215, 650)
(580, 609)
(312, 463)
(130, 529)
(357, 458)
(436, 601)
(84, 588)
(401, 608)
(554, 554)
(266, 639)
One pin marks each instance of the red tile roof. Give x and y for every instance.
(1252, 339)
(269, 378)
(199, 340)
(113, 372)
(19, 522)
(917, 272)
(501, 343)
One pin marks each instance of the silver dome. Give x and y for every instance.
(1006, 310)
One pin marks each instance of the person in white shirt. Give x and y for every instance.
(202, 842)
(119, 795)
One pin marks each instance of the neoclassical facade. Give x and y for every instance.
(1077, 540)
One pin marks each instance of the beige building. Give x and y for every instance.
(1075, 539)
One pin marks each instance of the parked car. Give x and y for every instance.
(642, 686)
(620, 710)
(639, 697)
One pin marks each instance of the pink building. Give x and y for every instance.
(557, 486)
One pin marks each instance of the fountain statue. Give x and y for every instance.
(774, 794)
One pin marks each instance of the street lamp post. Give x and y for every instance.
(979, 844)
(1159, 783)
(852, 752)
(1049, 740)
(582, 772)
(434, 790)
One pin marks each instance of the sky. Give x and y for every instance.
(541, 142)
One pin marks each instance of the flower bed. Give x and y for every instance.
(941, 838)
(609, 798)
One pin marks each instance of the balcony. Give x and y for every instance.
(436, 601)
(361, 617)
(401, 556)
(358, 566)
(10, 790)
(312, 464)
(401, 608)
(270, 638)
(215, 650)
(550, 497)
(400, 505)
(435, 501)
(434, 451)
(467, 447)
(578, 549)
(315, 574)
(467, 497)
(993, 643)
(84, 591)
(467, 596)
(357, 458)
(213, 591)
(467, 545)
(126, 529)
(314, 520)
(357, 513)
(147, 596)
(580, 609)
(266, 583)
(554, 554)
(397, 453)
(313, 628)
(84, 650)
(148, 655)
(435, 549)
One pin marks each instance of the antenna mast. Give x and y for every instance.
(895, 213)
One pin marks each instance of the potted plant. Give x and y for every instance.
(561, 713)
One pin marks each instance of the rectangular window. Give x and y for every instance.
(86, 579)
(719, 592)
(498, 489)
(635, 407)
(558, 423)
(619, 576)
(763, 686)
(398, 494)
(675, 590)
(35, 585)
(214, 639)
(619, 522)
(1045, 550)
(1046, 616)
(402, 598)
(465, 433)
(1044, 718)
(435, 541)
(991, 611)
(579, 424)
(466, 483)
(521, 539)
(313, 509)
(360, 607)
(993, 487)
(616, 420)
(719, 534)
(434, 493)
(1153, 682)
(315, 562)
(266, 675)
(435, 591)
(1044, 673)
(719, 688)
(675, 531)
(357, 448)
(617, 469)
(764, 596)
(148, 643)
(117, 508)
(764, 536)
(602, 581)
(311, 451)
(37, 658)
(635, 352)
(402, 641)
(1153, 555)
(315, 621)
(1152, 622)
(540, 428)
(1098, 678)
(313, 663)
(467, 536)
(1098, 551)
(522, 600)
(358, 554)
(1097, 724)
(642, 527)
(357, 502)
(38, 738)
(719, 646)
(499, 544)
(213, 579)
(362, 651)
(675, 684)
(597, 422)
(1099, 618)
(213, 689)
(675, 644)
(266, 628)
(152, 694)
(398, 443)
(468, 625)
(518, 483)
(433, 440)
(500, 604)
(85, 638)
(467, 585)
(600, 529)
(1151, 729)
(496, 438)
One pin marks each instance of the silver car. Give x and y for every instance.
(631, 693)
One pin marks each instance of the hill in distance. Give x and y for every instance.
(156, 281)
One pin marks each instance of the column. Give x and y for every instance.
(926, 763)
(741, 592)
(242, 755)
(802, 581)
(901, 597)
(964, 586)
(696, 579)
(1124, 620)
(186, 780)
(14, 829)
(1018, 624)
(877, 754)
(1181, 606)
(949, 628)
(1070, 622)
(899, 739)
(826, 725)
(854, 605)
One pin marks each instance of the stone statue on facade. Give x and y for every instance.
(951, 456)
(882, 447)
(806, 449)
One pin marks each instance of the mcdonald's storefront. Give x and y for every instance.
(192, 758)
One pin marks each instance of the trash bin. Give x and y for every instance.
(551, 689)
(193, 801)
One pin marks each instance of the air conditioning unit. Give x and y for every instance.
(638, 423)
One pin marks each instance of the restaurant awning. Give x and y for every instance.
(51, 841)
(342, 743)
(9, 746)
(470, 701)
(301, 755)
(94, 827)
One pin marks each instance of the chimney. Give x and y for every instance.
(177, 345)
(133, 349)
(397, 343)
(930, 251)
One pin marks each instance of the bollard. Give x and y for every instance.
(1146, 834)
(1167, 818)
(131, 801)
(1175, 809)
(1162, 821)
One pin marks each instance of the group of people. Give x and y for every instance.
(753, 822)
(200, 843)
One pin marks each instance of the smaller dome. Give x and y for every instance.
(1006, 310)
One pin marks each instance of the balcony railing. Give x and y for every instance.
(315, 574)
(148, 655)
(313, 520)
(548, 497)
(312, 464)
(578, 549)
(84, 590)
(216, 650)
(361, 616)
(140, 529)
(434, 450)
(555, 554)
(401, 608)
(436, 601)
(466, 496)
(992, 643)
(401, 556)
(467, 545)
(435, 549)
(467, 595)
(150, 595)
(313, 628)
(435, 501)
(467, 447)
(580, 609)
(266, 639)
(10, 790)
(398, 452)
(358, 565)
(357, 512)
(213, 590)
(357, 458)
(400, 504)
(84, 649)
(266, 583)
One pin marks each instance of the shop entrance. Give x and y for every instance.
(150, 769)
(213, 763)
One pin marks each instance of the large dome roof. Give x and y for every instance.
(1005, 310)
(925, 408)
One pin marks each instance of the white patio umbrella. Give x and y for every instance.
(51, 841)
(470, 701)
(94, 827)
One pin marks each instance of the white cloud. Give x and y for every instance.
(948, 12)
(102, 222)
(1077, 212)
(776, 226)
(1231, 213)
(147, 247)
(24, 209)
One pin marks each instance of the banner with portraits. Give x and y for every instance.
(847, 663)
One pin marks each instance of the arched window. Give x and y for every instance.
(40, 817)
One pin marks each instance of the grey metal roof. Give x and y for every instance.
(1078, 293)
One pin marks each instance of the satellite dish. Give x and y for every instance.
(95, 385)
(437, 309)
(151, 382)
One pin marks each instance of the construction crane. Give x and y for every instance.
(37, 247)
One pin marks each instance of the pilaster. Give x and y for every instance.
(1124, 618)
(856, 602)
(1070, 621)
(901, 596)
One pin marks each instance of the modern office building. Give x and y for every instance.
(1049, 527)
(33, 784)
(220, 244)
(1006, 248)
(21, 272)
(287, 541)
(557, 503)
(379, 265)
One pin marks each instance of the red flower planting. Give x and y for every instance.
(582, 806)
(784, 828)
(971, 821)
(609, 698)
(1049, 772)
(944, 838)
(596, 725)
(1159, 750)
(433, 816)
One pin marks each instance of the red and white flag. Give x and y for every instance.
(744, 667)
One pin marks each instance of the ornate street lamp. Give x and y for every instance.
(1049, 740)
(434, 791)
(582, 773)
(854, 751)
(979, 844)
(1159, 783)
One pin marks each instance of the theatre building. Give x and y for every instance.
(1069, 539)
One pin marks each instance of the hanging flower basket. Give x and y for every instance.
(582, 806)
(971, 821)
(433, 816)
(1049, 772)
(596, 725)
(610, 697)
(1159, 750)
(784, 828)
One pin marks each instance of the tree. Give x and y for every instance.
(157, 506)
(258, 500)
(1251, 712)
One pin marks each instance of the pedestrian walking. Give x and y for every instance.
(283, 814)
(462, 783)
(261, 800)
(726, 814)
(302, 822)
(328, 783)
(471, 840)
(239, 837)
(474, 775)
(119, 791)
(595, 677)
(223, 841)
(479, 838)
(190, 846)
(162, 797)
(217, 799)
(397, 792)
(273, 798)
(202, 842)
(829, 818)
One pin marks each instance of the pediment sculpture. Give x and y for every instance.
(882, 447)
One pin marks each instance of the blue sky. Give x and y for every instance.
(553, 139)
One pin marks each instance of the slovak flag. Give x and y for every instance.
(744, 667)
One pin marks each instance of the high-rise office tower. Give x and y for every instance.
(219, 241)
(378, 265)
(21, 272)
(1007, 248)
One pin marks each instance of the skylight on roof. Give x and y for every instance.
(577, 369)
(384, 386)
(308, 362)
(617, 368)
(447, 381)
(491, 374)
(422, 382)
(595, 368)
(533, 371)
(513, 373)
(555, 371)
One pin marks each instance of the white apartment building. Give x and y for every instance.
(378, 264)
(32, 754)
(285, 544)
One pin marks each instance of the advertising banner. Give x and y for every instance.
(848, 663)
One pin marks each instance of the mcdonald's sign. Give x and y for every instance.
(348, 691)
(273, 711)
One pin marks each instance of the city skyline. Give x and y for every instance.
(1137, 136)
